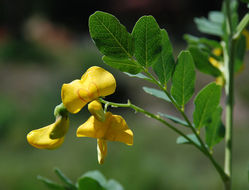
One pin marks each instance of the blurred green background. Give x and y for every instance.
(44, 44)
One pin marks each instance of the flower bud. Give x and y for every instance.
(95, 108)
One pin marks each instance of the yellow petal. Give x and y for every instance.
(71, 98)
(39, 138)
(114, 128)
(60, 127)
(214, 62)
(220, 81)
(102, 150)
(95, 108)
(217, 51)
(101, 79)
(94, 83)
(118, 130)
(92, 128)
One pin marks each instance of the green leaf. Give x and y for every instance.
(139, 75)
(174, 119)
(215, 130)
(157, 93)
(124, 65)
(147, 39)
(201, 42)
(234, 14)
(206, 102)
(111, 37)
(93, 180)
(202, 63)
(88, 183)
(64, 179)
(245, 1)
(183, 81)
(206, 26)
(113, 185)
(97, 176)
(50, 184)
(240, 50)
(165, 64)
(216, 16)
(182, 140)
(242, 25)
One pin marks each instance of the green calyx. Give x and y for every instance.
(60, 110)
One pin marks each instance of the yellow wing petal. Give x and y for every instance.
(92, 128)
(118, 130)
(39, 138)
(114, 128)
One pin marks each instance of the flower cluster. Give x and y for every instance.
(95, 82)
(217, 60)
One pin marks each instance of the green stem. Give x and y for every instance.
(151, 115)
(204, 149)
(179, 109)
(229, 75)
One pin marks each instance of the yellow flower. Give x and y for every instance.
(220, 80)
(213, 61)
(51, 136)
(94, 83)
(114, 128)
(217, 51)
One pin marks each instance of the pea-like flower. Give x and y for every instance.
(51, 136)
(94, 83)
(113, 128)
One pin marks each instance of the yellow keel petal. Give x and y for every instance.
(102, 150)
(39, 138)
